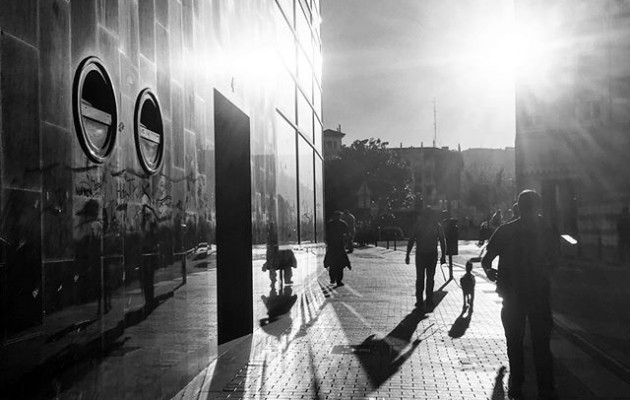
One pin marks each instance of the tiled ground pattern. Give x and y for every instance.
(366, 343)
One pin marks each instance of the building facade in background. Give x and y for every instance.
(573, 115)
(161, 162)
(435, 175)
(488, 183)
(332, 142)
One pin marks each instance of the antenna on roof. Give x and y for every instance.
(434, 123)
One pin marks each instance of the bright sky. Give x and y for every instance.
(385, 62)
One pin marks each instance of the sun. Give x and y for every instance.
(510, 51)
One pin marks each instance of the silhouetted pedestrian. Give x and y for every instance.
(484, 233)
(467, 282)
(623, 233)
(427, 232)
(336, 258)
(349, 219)
(528, 250)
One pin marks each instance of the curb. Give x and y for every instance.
(582, 341)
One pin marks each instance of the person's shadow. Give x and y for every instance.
(461, 323)
(278, 304)
(498, 392)
(381, 358)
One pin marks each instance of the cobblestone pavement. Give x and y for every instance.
(364, 341)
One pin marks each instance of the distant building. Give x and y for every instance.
(435, 175)
(491, 161)
(332, 142)
(573, 121)
(492, 171)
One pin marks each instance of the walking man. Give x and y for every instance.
(336, 258)
(426, 234)
(528, 250)
(349, 219)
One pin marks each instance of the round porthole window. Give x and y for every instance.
(94, 109)
(149, 131)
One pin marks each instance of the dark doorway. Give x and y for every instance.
(559, 205)
(234, 220)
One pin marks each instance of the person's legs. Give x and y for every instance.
(513, 319)
(288, 275)
(340, 276)
(351, 243)
(465, 296)
(430, 263)
(541, 322)
(419, 280)
(331, 274)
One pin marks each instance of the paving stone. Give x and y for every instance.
(364, 341)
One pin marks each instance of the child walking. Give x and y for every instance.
(467, 283)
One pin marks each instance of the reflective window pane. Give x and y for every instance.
(287, 8)
(286, 185)
(317, 101)
(317, 62)
(307, 192)
(319, 200)
(303, 31)
(305, 73)
(305, 117)
(285, 43)
(286, 96)
(317, 134)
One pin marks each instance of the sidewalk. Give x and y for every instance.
(591, 301)
(365, 342)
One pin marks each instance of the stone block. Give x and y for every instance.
(19, 85)
(187, 23)
(22, 235)
(146, 13)
(175, 36)
(161, 12)
(57, 199)
(163, 72)
(54, 48)
(19, 18)
(83, 27)
(148, 75)
(177, 104)
(108, 14)
(129, 29)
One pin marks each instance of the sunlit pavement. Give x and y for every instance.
(363, 341)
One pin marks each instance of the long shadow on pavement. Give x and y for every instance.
(382, 357)
(461, 324)
(498, 392)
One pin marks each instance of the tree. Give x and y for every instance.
(370, 161)
(487, 190)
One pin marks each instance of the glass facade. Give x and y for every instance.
(115, 280)
(286, 183)
(319, 201)
(306, 192)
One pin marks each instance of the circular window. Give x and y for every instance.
(149, 131)
(94, 109)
